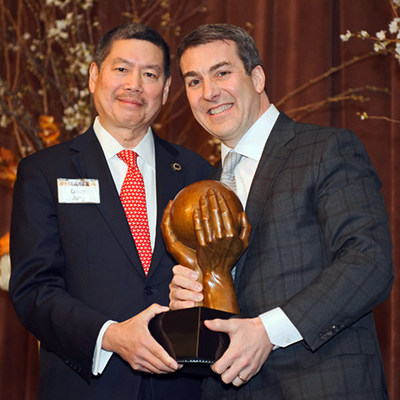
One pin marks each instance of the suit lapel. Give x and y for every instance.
(89, 159)
(276, 151)
(169, 181)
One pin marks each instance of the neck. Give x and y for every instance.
(126, 137)
(129, 142)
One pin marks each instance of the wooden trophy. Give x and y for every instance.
(206, 229)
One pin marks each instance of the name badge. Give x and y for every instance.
(78, 190)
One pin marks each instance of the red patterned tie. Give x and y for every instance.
(133, 199)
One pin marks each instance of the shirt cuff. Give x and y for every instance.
(280, 329)
(100, 356)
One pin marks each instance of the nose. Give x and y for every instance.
(211, 90)
(133, 82)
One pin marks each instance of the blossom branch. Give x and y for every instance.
(323, 76)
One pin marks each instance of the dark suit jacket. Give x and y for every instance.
(75, 266)
(320, 249)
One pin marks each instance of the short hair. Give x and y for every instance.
(246, 47)
(132, 31)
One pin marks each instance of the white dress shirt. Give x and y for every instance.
(146, 162)
(280, 329)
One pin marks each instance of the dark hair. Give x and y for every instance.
(132, 31)
(246, 48)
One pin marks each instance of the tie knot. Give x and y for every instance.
(128, 157)
(230, 161)
(227, 175)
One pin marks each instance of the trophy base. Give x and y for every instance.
(184, 336)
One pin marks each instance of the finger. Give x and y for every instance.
(218, 325)
(166, 219)
(205, 219)
(150, 312)
(167, 231)
(155, 359)
(198, 228)
(245, 229)
(154, 356)
(186, 278)
(167, 209)
(215, 213)
(185, 290)
(231, 375)
(161, 360)
(227, 218)
(181, 305)
(181, 270)
(224, 366)
(184, 295)
(238, 381)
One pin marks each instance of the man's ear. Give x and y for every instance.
(166, 90)
(258, 77)
(93, 74)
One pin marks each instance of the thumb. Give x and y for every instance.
(150, 312)
(217, 325)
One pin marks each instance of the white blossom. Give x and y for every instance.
(58, 3)
(380, 46)
(4, 121)
(82, 57)
(87, 4)
(364, 34)
(397, 51)
(5, 271)
(77, 116)
(61, 24)
(84, 93)
(394, 25)
(57, 34)
(381, 35)
(346, 36)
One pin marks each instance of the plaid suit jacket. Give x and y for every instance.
(320, 249)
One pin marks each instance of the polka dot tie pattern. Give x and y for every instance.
(133, 199)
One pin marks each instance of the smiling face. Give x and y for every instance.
(129, 89)
(224, 99)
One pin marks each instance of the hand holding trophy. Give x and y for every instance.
(205, 229)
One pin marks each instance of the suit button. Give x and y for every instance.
(148, 290)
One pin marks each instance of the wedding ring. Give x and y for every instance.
(243, 380)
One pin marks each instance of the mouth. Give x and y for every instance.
(131, 100)
(220, 109)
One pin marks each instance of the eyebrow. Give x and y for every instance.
(212, 69)
(125, 61)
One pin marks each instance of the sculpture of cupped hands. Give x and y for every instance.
(206, 229)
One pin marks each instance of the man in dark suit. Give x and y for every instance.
(78, 283)
(320, 254)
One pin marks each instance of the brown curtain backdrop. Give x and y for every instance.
(298, 41)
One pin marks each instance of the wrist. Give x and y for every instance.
(109, 337)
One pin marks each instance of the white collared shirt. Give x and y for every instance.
(146, 162)
(280, 329)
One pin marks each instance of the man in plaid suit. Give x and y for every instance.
(320, 253)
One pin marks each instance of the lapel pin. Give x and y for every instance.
(176, 166)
